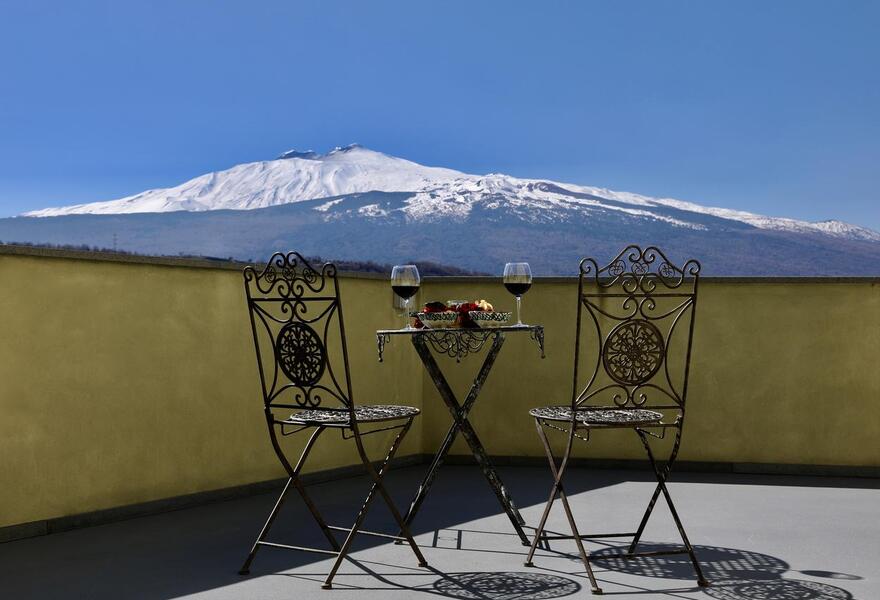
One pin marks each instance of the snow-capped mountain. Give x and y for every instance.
(437, 193)
(292, 177)
(353, 203)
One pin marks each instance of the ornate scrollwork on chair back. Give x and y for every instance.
(639, 310)
(639, 271)
(289, 277)
(296, 316)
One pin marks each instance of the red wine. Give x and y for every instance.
(405, 291)
(517, 289)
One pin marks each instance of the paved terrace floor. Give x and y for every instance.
(759, 538)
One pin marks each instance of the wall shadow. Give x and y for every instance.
(198, 549)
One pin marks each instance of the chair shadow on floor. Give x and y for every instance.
(504, 586)
(733, 574)
(477, 585)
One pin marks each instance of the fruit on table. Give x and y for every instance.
(462, 308)
(466, 307)
(484, 306)
(432, 307)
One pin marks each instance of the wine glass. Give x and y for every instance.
(405, 283)
(517, 280)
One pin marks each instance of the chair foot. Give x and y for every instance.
(424, 563)
(244, 572)
(326, 586)
(528, 564)
(702, 583)
(597, 591)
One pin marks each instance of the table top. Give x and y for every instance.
(459, 330)
(458, 342)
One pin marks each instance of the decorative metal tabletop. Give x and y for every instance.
(459, 342)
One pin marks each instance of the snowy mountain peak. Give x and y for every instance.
(312, 155)
(435, 194)
(308, 154)
(349, 148)
(294, 177)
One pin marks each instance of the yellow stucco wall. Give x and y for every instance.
(123, 383)
(781, 373)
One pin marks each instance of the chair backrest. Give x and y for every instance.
(299, 335)
(636, 315)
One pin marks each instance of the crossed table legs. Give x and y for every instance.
(460, 423)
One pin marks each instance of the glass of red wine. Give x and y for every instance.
(517, 280)
(405, 283)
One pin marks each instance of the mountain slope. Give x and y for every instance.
(481, 241)
(436, 193)
(354, 203)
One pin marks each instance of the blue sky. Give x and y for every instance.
(772, 107)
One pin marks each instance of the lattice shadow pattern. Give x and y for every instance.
(735, 574)
(505, 586)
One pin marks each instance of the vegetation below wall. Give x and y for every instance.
(350, 266)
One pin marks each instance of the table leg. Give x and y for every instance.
(458, 414)
(460, 423)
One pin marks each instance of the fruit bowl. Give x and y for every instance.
(484, 318)
(437, 320)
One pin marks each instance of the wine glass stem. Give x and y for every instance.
(518, 313)
(407, 325)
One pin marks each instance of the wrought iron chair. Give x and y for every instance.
(639, 313)
(292, 309)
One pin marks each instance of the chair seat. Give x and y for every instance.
(599, 415)
(364, 414)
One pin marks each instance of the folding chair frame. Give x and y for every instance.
(631, 271)
(290, 287)
(295, 482)
(557, 490)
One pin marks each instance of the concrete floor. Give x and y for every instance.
(758, 537)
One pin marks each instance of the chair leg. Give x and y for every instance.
(662, 475)
(554, 491)
(292, 481)
(558, 487)
(378, 477)
(644, 521)
(362, 513)
(665, 472)
(246, 567)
